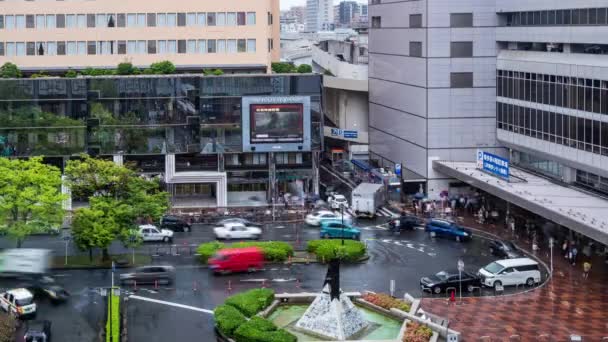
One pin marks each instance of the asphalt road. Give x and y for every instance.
(183, 312)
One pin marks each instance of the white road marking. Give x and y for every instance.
(177, 305)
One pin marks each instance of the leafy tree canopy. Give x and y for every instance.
(30, 197)
(10, 70)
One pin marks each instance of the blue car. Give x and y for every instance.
(447, 229)
(336, 229)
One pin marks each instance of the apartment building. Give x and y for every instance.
(432, 95)
(52, 35)
(319, 15)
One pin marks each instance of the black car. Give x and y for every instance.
(504, 249)
(444, 280)
(404, 222)
(175, 224)
(38, 331)
(243, 221)
(55, 293)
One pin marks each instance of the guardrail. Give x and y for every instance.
(255, 214)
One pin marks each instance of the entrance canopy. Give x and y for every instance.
(580, 211)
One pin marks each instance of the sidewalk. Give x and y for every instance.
(567, 305)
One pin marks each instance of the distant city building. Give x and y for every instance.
(293, 20)
(54, 35)
(349, 12)
(319, 15)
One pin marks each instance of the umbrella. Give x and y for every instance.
(419, 195)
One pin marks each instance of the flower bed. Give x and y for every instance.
(231, 318)
(416, 332)
(326, 250)
(273, 250)
(386, 302)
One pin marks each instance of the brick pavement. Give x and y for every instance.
(566, 305)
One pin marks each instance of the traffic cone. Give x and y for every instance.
(453, 296)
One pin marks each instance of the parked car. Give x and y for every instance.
(443, 280)
(230, 260)
(504, 249)
(317, 217)
(336, 201)
(404, 222)
(19, 302)
(339, 230)
(160, 274)
(510, 272)
(175, 224)
(38, 331)
(238, 220)
(150, 232)
(447, 229)
(237, 231)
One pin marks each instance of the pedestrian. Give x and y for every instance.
(586, 269)
(565, 248)
(574, 252)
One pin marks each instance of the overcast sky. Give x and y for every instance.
(285, 4)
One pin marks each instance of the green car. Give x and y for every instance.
(335, 229)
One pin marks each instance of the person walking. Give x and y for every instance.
(565, 248)
(586, 269)
(573, 254)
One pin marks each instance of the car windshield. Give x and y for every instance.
(24, 301)
(442, 275)
(493, 268)
(219, 257)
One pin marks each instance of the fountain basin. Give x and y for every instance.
(381, 327)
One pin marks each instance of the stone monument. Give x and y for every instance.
(332, 315)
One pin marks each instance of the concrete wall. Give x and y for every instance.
(338, 68)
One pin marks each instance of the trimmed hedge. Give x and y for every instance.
(325, 250)
(228, 319)
(386, 301)
(258, 329)
(272, 250)
(416, 332)
(251, 302)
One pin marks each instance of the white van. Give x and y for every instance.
(510, 272)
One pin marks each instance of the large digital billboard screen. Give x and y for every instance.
(276, 123)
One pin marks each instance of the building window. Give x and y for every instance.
(151, 20)
(81, 20)
(231, 46)
(122, 47)
(461, 20)
(1, 21)
(461, 49)
(141, 47)
(30, 21)
(172, 46)
(202, 46)
(202, 19)
(40, 21)
(241, 45)
(82, 48)
(19, 22)
(41, 48)
(231, 19)
(220, 19)
(131, 20)
(70, 21)
(161, 19)
(181, 46)
(30, 48)
(10, 49)
(461, 80)
(210, 19)
(415, 20)
(162, 47)
(91, 48)
(1, 49)
(121, 20)
(221, 46)
(211, 46)
(100, 20)
(131, 47)
(20, 49)
(181, 19)
(90, 20)
(10, 22)
(250, 18)
(191, 48)
(191, 19)
(60, 20)
(151, 47)
(171, 19)
(71, 49)
(240, 18)
(415, 49)
(250, 45)
(61, 48)
(376, 22)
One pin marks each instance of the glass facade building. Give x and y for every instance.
(142, 119)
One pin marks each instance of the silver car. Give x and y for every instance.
(161, 274)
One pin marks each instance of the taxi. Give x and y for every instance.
(19, 302)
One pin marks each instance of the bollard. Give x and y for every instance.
(263, 283)
(194, 286)
(298, 285)
(134, 285)
(229, 285)
(156, 284)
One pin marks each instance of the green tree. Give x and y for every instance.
(163, 68)
(283, 68)
(10, 70)
(118, 196)
(125, 68)
(304, 69)
(30, 197)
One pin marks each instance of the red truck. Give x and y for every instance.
(230, 260)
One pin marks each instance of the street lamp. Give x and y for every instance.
(342, 217)
(460, 270)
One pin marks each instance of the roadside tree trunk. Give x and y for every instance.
(91, 255)
(105, 255)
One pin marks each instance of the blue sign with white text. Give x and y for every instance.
(398, 169)
(351, 134)
(491, 163)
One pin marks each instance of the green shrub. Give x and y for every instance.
(251, 302)
(326, 250)
(9, 70)
(283, 68)
(304, 69)
(39, 74)
(162, 68)
(71, 74)
(227, 319)
(258, 329)
(218, 72)
(272, 250)
(207, 249)
(125, 68)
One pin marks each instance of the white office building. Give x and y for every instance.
(319, 15)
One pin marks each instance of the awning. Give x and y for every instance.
(580, 211)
